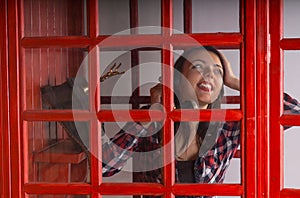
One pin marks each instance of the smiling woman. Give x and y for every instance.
(202, 150)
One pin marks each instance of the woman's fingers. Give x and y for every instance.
(156, 93)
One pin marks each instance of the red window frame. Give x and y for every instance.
(261, 161)
(278, 119)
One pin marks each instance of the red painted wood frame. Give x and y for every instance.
(278, 119)
(5, 168)
(252, 41)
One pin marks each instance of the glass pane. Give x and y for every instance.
(291, 73)
(150, 70)
(130, 160)
(291, 18)
(118, 85)
(206, 145)
(233, 174)
(231, 99)
(126, 174)
(114, 16)
(142, 70)
(178, 15)
(54, 18)
(58, 151)
(46, 74)
(149, 15)
(233, 57)
(291, 161)
(215, 16)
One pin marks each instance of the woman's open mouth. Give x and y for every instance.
(205, 86)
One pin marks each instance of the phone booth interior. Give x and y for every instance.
(140, 40)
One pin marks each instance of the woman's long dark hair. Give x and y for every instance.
(203, 126)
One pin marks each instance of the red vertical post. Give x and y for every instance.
(249, 100)
(5, 167)
(14, 115)
(94, 98)
(262, 75)
(168, 130)
(276, 87)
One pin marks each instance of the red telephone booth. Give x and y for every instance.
(44, 42)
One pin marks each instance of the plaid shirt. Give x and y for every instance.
(210, 165)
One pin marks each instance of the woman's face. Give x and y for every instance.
(204, 74)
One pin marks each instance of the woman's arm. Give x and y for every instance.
(290, 105)
(131, 139)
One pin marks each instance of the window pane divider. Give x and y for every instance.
(56, 115)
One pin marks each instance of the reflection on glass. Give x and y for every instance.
(58, 152)
(291, 17)
(291, 161)
(212, 11)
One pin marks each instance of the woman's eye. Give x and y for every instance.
(218, 71)
(198, 66)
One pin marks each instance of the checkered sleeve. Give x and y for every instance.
(291, 105)
(120, 148)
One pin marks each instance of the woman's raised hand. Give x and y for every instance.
(230, 79)
(156, 93)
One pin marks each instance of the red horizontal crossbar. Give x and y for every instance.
(70, 188)
(290, 193)
(208, 189)
(56, 115)
(206, 115)
(230, 40)
(290, 44)
(147, 99)
(56, 41)
(135, 189)
(130, 115)
(132, 189)
(290, 120)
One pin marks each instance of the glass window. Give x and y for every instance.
(215, 16)
(114, 16)
(54, 18)
(149, 15)
(58, 151)
(291, 161)
(291, 18)
(291, 72)
(46, 74)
